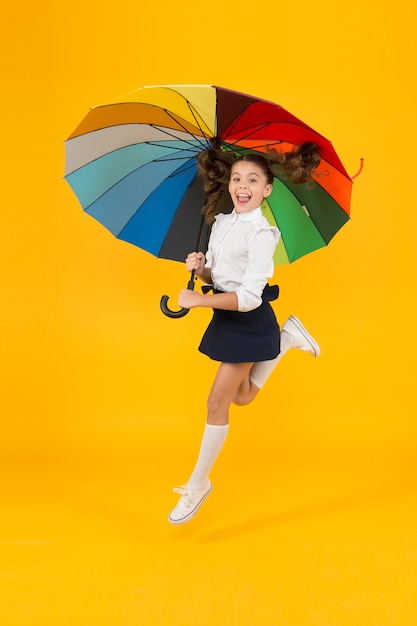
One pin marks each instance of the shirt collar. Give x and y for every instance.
(251, 216)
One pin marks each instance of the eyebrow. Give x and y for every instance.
(248, 174)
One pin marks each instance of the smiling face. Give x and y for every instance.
(248, 186)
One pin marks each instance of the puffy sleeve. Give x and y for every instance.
(259, 268)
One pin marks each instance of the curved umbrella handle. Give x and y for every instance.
(164, 301)
(168, 312)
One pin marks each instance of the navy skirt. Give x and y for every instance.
(243, 337)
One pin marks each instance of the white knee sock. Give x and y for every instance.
(261, 371)
(211, 444)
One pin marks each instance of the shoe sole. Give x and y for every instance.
(193, 512)
(315, 346)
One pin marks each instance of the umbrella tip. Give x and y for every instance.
(359, 170)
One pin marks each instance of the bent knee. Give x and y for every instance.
(243, 398)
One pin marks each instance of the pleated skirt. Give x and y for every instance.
(242, 337)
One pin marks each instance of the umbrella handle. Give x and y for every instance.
(164, 301)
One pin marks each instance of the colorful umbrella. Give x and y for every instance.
(132, 165)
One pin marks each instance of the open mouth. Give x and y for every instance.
(243, 198)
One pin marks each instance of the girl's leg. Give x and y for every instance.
(261, 371)
(247, 391)
(198, 487)
(229, 377)
(293, 335)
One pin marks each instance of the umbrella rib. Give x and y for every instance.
(189, 143)
(163, 130)
(240, 149)
(194, 114)
(177, 121)
(251, 131)
(182, 169)
(167, 158)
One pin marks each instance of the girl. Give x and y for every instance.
(243, 333)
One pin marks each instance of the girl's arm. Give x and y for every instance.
(196, 261)
(191, 299)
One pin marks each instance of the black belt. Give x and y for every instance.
(270, 292)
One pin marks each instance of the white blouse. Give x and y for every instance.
(240, 255)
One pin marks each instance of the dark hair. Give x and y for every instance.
(214, 166)
(300, 163)
(262, 162)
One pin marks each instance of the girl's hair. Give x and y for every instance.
(214, 166)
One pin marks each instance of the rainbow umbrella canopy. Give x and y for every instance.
(132, 165)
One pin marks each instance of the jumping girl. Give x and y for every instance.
(243, 334)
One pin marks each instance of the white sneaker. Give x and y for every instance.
(303, 340)
(188, 504)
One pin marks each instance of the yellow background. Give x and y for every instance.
(313, 516)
